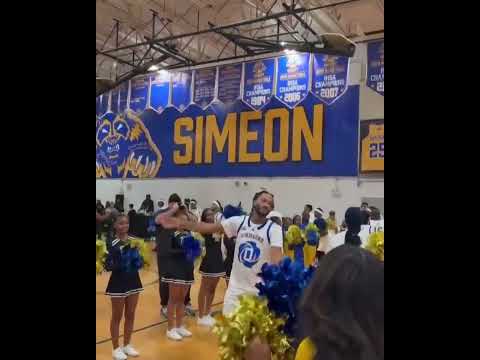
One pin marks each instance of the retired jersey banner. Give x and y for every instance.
(310, 139)
(330, 77)
(138, 94)
(375, 70)
(160, 91)
(204, 86)
(229, 81)
(258, 82)
(372, 140)
(123, 97)
(292, 77)
(181, 89)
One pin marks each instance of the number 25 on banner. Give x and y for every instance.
(372, 144)
(376, 150)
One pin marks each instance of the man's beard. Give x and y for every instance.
(258, 210)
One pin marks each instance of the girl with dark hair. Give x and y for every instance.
(342, 310)
(353, 221)
(297, 220)
(123, 289)
(211, 269)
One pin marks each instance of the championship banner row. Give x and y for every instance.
(289, 78)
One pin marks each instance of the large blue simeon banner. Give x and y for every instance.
(311, 139)
(308, 138)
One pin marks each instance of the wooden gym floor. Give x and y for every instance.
(150, 326)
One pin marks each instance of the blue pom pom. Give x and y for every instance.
(125, 260)
(312, 238)
(283, 285)
(230, 211)
(191, 247)
(113, 259)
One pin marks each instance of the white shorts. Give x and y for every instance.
(230, 301)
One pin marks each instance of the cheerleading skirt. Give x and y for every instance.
(123, 284)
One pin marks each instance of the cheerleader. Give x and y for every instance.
(227, 244)
(212, 269)
(332, 223)
(297, 220)
(179, 277)
(123, 289)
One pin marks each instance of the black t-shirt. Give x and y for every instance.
(163, 237)
(147, 204)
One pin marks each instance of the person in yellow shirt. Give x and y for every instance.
(341, 311)
(332, 222)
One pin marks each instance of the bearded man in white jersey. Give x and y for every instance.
(258, 241)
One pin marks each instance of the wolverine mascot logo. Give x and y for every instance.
(124, 148)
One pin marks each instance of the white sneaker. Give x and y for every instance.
(211, 320)
(183, 332)
(203, 321)
(130, 351)
(174, 335)
(118, 354)
(164, 312)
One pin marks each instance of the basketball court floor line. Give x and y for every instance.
(147, 327)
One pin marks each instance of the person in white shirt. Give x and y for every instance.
(194, 209)
(375, 224)
(353, 235)
(259, 241)
(307, 215)
(376, 220)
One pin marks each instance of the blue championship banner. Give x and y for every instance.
(258, 82)
(293, 77)
(204, 86)
(375, 70)
(160, 91)
(330, 77)
(123, 97)
(372, 143)
(99, 105)
(181, 89)
(138, 94)
(310, 139)
(102, 104)
(229, 82)
(114, 100)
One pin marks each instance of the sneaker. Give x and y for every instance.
(189, 311)
(118, 354)
(183, 332)
(130, 351)
(203, 321)
(173, 335)
(164, 312)
(210, 320)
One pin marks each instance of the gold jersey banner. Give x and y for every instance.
(372, 146)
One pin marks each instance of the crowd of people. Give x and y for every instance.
(236, 247)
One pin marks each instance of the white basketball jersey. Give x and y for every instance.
(252, 249)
